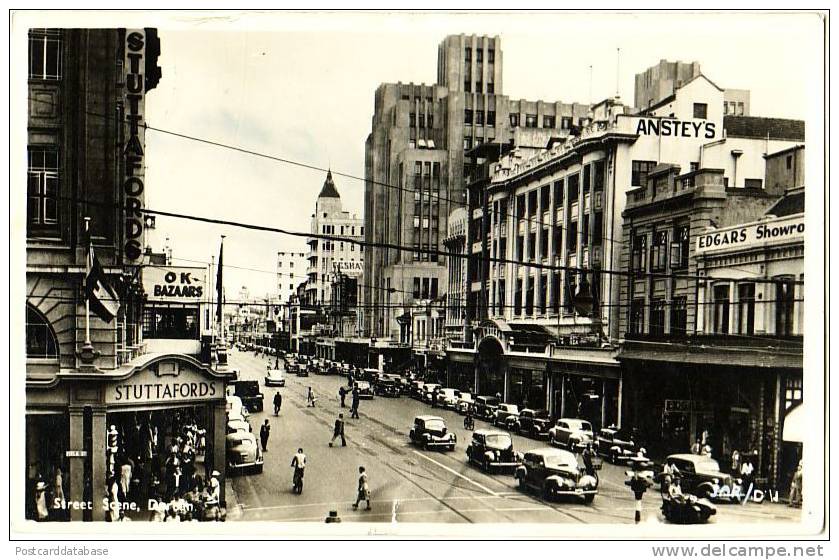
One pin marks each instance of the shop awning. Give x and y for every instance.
(795, 424)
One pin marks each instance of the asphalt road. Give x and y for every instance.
(407, 483)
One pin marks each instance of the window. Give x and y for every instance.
(599, 175)
(753, 183)
(741, 108)
(514, 120)
(42, 186)
(640, 169)
(416, 288)
(559, 193)
(548, 121)
(784, 306)
(479, 86)
(40, 338)
(467, 85)
(566, 123)
(433, 287)
(531, 203)
(490, 87)
(721, 309)
(412, 119)
(789, 163)
(557, 239)
(479, 55)
(467, 142)
(421, 119)
(746, 308)
(45, 54)
(529, 297)
(700, 110)
(679, 316)
(571, 240)
(555, 292)
(170, 320)
(291, 286)
(680, 247)
(658, 253)
(502, 285)
(517, 298)
(694, 165)
(657, 317)
(543, 295)
(545, 197)
(531, 121)
(467, 116)
(520, 247)
(490, 117)
(570, 290)
(430, 121)
(573, 188)
(491, 56)
(412, 143)
(479, 117)
(636, 317)
(584, 231)
(639, 252)
(468, 54)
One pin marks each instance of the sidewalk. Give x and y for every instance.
(234, 508)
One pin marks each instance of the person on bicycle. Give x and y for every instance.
(299, 464)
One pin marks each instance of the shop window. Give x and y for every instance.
(636, 317)
(784, 306)
(42, 187)
(679, 316)
(658, 252)
(41, 341)
(721, 304)
(746, 308)
(45, 54)
(640, 169)
(657, 317)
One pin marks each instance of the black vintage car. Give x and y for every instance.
(485, 407)
(555, 472)
(248, 391)
(530, 422)
(615, 444)
(492, 449)
(387, 386)
(431, 431)
(701, 475)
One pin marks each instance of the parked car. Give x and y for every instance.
(235, 408)
(428, 391)
(614, 443)
(365, 390)
(249, 392)
(485, 407)
(238, 424)
(387, 386)
(431, 431)
(302, 369)
(554, 473)
(701, 475)
(464, 401)
(291, 366)
(274, 378)
(534, 423)
(417, 389)
(404, 385)
(572, 433)
(503, 412)
(242, 451)
(447, 398)
(492, 449)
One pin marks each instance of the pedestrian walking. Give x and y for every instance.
(363, 489)
(434, 394)
(588, 460)
(638, 485)
(735, 461)
(747, 473)
(696, 448)
(355, 402)
(796, 487)
(278, 403)
(339, 431)
(264, 433)
(342, 394)
(310, 398)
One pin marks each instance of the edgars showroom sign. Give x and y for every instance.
(739, 237)
(175, 283)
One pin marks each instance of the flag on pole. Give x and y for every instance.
(219, 291)
(102, 297)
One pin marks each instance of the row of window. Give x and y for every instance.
(658, 251)
(45, 54)
(477, 117)
(330, 229)
(734, 108)
(420, 120)
(548, 121)
(479, 86)
(425, 288)
(479, 55)
(526, 301)
(468, 144)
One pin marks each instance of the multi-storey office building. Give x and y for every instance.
(554, 231)
(291, 270)
(97, 398)
(415, 166)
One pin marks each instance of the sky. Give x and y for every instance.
(300, 87)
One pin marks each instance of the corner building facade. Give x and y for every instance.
(415, 167)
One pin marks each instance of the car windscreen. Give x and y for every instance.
(436, 425)
(707, 465)
(559, 462)
(499, 441)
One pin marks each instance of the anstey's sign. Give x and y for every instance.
(780, 230)
(176, 284)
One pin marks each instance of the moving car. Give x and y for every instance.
(492, 449)
(431, 431)
(447, 398)
(485, 407)
(291, 366)
(428, 391)
(701, 475)
(250, 394)
(554, 473)
(534, 423)
(274, 378)
(464, 401)
(365, 391)
(614, 443)
(572, 433)
(242, 451)
(503, 412)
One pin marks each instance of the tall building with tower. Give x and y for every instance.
(416, 166)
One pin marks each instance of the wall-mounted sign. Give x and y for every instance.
(175, 283)
(149, 387)
(351, 268)
(133, 151)
(677, 128)
(738, 237)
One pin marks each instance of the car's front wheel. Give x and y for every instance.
(546, 491)
(522, 483)
(589, 498)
